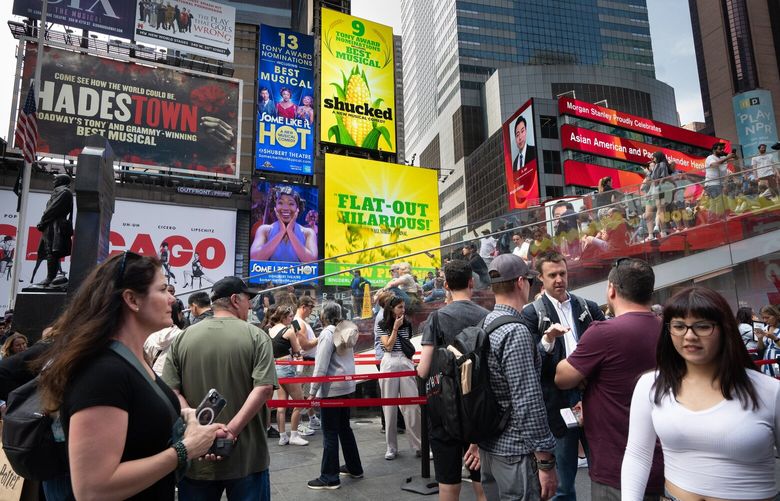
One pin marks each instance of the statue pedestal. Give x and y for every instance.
(35, 309)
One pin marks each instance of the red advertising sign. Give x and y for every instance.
(522, 179)
(584, 174)
(589, 111)
(605, 145)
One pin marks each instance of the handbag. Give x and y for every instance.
(178, 423)
(407, 347)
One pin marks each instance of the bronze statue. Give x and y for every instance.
(57, 228)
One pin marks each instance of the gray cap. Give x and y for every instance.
(510, 267)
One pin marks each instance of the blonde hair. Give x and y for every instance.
(404, 268)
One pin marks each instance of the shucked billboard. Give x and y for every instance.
(520, 160)
(153, 117)
(112, 17)
(370, 204)
(357, 83)
(200, 241)
(285, 224)
(285, 102)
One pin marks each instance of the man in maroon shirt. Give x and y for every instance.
(609, 358)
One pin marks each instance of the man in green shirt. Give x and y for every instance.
(228, 354)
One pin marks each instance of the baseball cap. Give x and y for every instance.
(228, 286)
(509, 267)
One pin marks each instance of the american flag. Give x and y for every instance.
(26, 136)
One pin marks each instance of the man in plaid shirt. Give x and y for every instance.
(510, 460)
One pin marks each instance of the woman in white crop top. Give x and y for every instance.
(714, 413)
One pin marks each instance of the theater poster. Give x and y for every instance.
(285, 227)
(199, 27)
(520, 158)
(357, 83)
(112, 17)
(379, 211)
(152, 116)
(285, 102)
(200, 242)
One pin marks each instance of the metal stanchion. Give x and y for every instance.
(423, 485)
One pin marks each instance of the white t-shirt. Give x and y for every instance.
(713, 171)
(725, 451)
(486, 247)
(763, 164)
(311, 352)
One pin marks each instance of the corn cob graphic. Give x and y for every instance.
(355, 129)
(358, 93)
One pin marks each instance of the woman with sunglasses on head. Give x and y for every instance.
(393, 325)
(118, 427)
(715, 414)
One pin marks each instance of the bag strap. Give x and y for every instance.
(125, 353)
(541, 312)
(500, 322)
(437, 338)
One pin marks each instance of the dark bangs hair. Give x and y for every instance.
(732, 359)
(388, 319)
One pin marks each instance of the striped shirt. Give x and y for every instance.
(405, 331)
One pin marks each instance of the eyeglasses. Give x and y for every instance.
(121, 269)
(700, 329)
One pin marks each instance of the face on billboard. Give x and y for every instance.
(285, 225)
(520, 158)
(377, 211)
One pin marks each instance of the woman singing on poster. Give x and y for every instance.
(284, 239)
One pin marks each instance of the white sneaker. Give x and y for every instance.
(284, 439)
(582, 462)
(314, 423)
(305, 430)
(297, 440)
(390, 454)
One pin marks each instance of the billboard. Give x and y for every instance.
(755, 119)
(197, 27)
(153, 117)
(520, 159)
(585, 174)
(285, 227)
(285, 102)
(357, 83)
(201, 242)
(112, 17)
(605, 145)
(368, 204)
(596, 113)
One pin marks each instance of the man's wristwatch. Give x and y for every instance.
(545, 464)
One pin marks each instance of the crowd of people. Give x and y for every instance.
(126, 364)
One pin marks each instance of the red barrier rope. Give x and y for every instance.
(372, 361)
(345, 377)
(348, 402)
(765, 362)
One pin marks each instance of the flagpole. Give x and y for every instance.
(21, 224)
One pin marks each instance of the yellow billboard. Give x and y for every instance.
(369, 204)
(357, 83)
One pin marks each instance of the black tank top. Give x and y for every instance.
(281, 345)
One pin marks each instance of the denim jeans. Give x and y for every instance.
(58, 489)
(566, 457)
(254, 487)
(335, 429)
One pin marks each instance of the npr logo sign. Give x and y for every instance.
(747, 103)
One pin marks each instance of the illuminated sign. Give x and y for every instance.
(585, 174)
(596, 113)
(370, 204)
(605, 145)
(357, 83)
(520, 158)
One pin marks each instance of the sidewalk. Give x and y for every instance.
(292, 466)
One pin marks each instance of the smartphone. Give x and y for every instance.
(210, 407)
(296, 325)
(221, 447)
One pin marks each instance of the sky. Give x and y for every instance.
(670, 28)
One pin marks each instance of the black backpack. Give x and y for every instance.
(28, 439)
(475, 416)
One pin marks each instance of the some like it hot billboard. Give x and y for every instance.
(357, 83)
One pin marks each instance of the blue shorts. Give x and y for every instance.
(285, 371)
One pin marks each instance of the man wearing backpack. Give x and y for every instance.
(450, 320)
(559, 320)
(510, 459)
